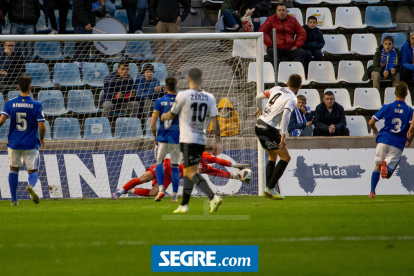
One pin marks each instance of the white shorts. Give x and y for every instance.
(29, 157)
(172, 149)
(391, 155)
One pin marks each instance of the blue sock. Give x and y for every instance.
(175, 177)
(13, 181)
(33, 178)
(390, 172)
(374, 179)
(159, 173)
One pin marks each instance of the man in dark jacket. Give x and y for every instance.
(407, 58)
(11, 64)
(314, 42)
(288, 49)
(330, 118)
(168, 14)
(83, 19)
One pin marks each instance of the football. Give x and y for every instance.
(245, 175)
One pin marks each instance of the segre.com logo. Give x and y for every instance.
(205, 258)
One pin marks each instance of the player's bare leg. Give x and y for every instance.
(29, 188)
(146, 177)
(277, 173)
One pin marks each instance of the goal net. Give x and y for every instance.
(98, 93)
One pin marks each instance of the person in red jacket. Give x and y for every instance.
(288, 49)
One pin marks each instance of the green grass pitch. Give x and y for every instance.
(347, 235)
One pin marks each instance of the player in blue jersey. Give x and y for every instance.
(392, 138)
(26, 118)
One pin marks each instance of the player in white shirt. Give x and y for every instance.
(192, 106)
(271, 129)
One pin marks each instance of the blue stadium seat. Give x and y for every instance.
(41, 24)
(69, 49)
(1, 102)
(399, 39)
(48, 50)
(308, 2)
(160, 72)
(4, 130)
(48, 135)
(94, 74)
(66, 129)
(140, 50)
(14, 93)
(40, 74)
(81, 101)
(97, 128)
(67, 74)
(379, 17)
(52, 102)
(148, 133)
(128, 128)
(121, 15)
(133, 70)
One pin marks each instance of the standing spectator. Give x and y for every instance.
(288, 49)
(63, 6)
(386, 64)
(83, 19)
(142, 7)
(407, 61)
(231, 15)
(259, 11)
(228, 119)
(4, 7)
(330, 118)
(119, 93)
(300, 123)
(314, 42)
(11, 64)
(131, 9)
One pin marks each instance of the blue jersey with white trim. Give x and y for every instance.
(169, 131)
(24, 114)
(398, 116)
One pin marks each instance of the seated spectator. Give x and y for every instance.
(103, 8)
(119, 93)
(11, 64)
(407, 64)
(288, 49)
(330, 118)
(386, 64)
(259, 11)
(231, 16)
(300, 123)
(229, 119)
(314, 42)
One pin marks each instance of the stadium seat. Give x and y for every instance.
(1, 101)
(100, 97)
(66, 129)
(364, 44)
(338, 2)
(118, 4)
(349, 18)
(160, 72)
(321, 72)
(94, 74)
(308, 2)
(133, 70)
(139, 50)
(367, 1)
(379, 17)
(389, 96)
(367, 98)
(342, 97)
(370, 62)
(81, 101)
(48, 50)
(351, 71)
(268, 73)
(97, 128)
(39, 72)
(41, 24)
(14, 93)
(128, 128)
(357, 125)
(121, 15)
(4, 130)
(296, 13)
(312, 97)
(324, 17)
(399, 39)
(48, 134)
(52, 102)
(67, 74)
(335, 44)
(148, 133)
(69, 49)
(288, 68)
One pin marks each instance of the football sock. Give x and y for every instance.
(175, 177)
(159, 173)
(131, 184)
(13, 181)
(203, 185)
(390, 172)
(142, 192)
(269, 171)
(374, 179)
(277, 173)
(33, 177)
(188, 188)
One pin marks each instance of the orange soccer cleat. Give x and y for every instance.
(372, 195)
(384, 170)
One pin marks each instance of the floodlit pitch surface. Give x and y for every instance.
(350, 235)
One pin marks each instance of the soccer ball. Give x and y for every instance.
(245, 175)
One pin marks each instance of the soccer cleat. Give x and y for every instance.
(14, 203)
(384, 170)
(33, 195)
(181, 209)
(273, 194)
(159, 196)
(215, 203)
(372, 195)
(116, 195)
(174, 198)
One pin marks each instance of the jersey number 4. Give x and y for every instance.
(199, 111)
(21, 123)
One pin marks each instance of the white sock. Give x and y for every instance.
(131, 191)
(161, 188)
(121, 191)
(174, 194)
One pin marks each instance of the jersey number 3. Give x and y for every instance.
(397, 122)
(21, 123)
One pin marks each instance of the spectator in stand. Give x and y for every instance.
(83, 19)
(136, 14)
(386, 64)
(11, 64)
(314, 42)
(4, 5)
(407, 61)
(301, 119)
(229, 119)
(288, 49)
(103, 8)
(330, 118)
(119, 93)
(168, 13)
(231, 16)
(259, 11)
(63, 7)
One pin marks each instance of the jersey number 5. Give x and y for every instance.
(199, 111)
(21, 123)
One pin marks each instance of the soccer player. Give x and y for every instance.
(392, 138)
(271, 129)
(192, 106)
(167, 139)
(27, 118)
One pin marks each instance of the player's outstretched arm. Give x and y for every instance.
(3, 118)
(167, 116)
(42, 131)
(217, 148)
(373, 126)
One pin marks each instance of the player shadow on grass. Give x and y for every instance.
(406, 173)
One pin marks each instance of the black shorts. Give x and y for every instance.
(191, 153)
(268, 136)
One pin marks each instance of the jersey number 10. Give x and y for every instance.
(199, 111)
(21, 123)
